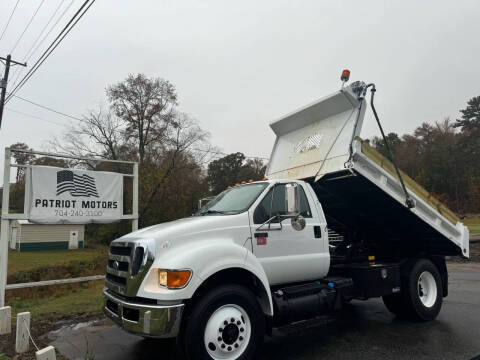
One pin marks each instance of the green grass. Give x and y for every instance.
(27, 261)
(474, 229)
(473, 223)
(86, 300)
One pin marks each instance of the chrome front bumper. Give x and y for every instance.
(150, 320)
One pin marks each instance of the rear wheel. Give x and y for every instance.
(227, 323)
(422, 294)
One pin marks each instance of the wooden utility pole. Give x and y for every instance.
(3, 82)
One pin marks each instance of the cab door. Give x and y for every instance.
(288, 255)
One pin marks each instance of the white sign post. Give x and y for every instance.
(60, 195)
(4, 228)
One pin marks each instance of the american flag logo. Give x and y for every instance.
(76, 185)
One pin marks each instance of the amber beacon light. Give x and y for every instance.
(345, 75)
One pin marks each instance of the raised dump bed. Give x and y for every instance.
(357, 187)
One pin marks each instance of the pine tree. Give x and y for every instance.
(470, 115)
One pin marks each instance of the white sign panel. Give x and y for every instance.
(61, 195)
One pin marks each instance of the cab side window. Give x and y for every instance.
(274, 203)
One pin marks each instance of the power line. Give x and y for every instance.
(26, 27)
(9, 19)
(33, 116)
(45, 27)
(49, 109)
(222, 153)
(115, 130)
(30, 53)
(53, 45)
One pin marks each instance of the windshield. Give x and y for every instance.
(235, 200)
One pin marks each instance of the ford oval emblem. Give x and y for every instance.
(116, 265)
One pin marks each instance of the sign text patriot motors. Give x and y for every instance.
(75, 196)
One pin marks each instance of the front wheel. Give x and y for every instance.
(227, 323)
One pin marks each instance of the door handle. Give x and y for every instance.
(261, 235)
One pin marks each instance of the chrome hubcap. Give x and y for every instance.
(227, 332)
(427, 289)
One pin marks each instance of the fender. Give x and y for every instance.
(205, 258)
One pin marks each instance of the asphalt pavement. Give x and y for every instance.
(362, 330)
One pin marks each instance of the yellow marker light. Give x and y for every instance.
(250, 181)
(174, 279)
(163, 278)
(244, 182)
(265, 178)
(371, 257)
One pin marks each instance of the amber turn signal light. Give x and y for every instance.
(174, 279)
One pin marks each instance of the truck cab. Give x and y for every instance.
(328, 226)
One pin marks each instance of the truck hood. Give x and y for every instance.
(195, 228)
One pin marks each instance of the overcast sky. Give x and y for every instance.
(239, 64)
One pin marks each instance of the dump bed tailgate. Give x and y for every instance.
(320, 143)
(314, 140)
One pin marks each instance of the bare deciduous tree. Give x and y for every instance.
(147, 108)
(99, 134)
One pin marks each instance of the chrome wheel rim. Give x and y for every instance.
(427, 289)
(227, 332)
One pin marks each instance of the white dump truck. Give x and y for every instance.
(335, 221)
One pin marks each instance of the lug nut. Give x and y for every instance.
(236, 345)
(242, 329)
(232, 320)
(223, 346)
(225, 322)
(220, 330)
(229, 348)
(238, 322)
(219, 338)
(240, 338)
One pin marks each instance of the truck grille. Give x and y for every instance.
(121, 250)
(116, 279)
(126, 267)
(119, 264)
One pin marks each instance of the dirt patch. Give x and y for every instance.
(39, 330)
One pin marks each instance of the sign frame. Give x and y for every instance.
(7, 217)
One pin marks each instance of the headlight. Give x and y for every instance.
(174, 279)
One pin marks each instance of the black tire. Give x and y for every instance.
(416, 309)
(411, 306)
(193, 336)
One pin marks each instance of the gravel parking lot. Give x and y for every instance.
(363, 330)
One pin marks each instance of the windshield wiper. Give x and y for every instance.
(212, 212)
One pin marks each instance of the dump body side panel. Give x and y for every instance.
(358, 187)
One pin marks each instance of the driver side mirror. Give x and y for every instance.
(292, 200)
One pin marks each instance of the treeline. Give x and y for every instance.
(141, 122)
(178, 166)
(444, 157)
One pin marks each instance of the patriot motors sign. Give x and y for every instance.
(74, 196)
